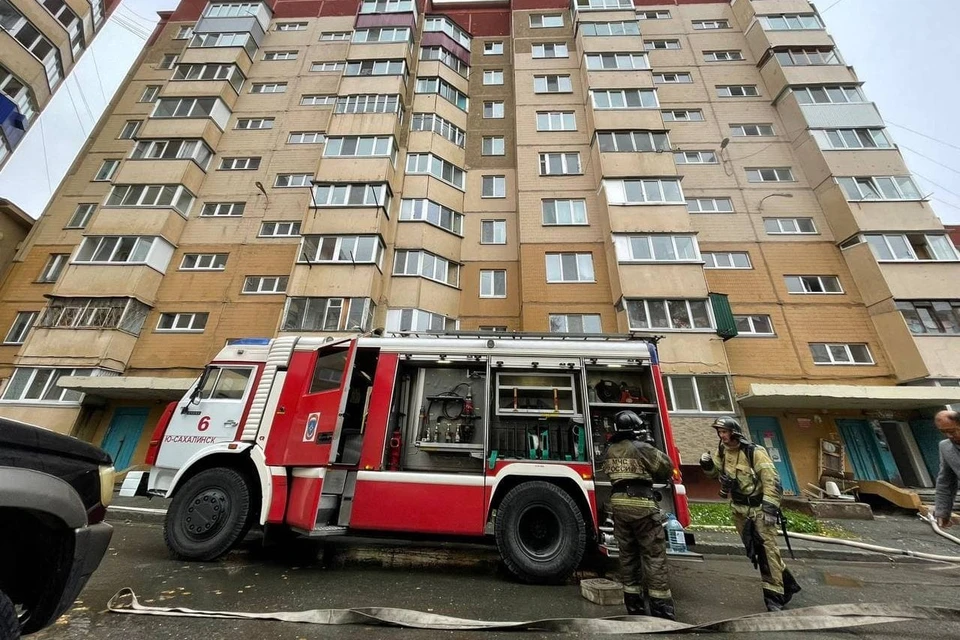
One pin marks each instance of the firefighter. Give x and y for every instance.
(633, 465)
(750, 480)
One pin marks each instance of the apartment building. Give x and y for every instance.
(40, 42)
(710, 172)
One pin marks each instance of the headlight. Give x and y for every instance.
(107, 476)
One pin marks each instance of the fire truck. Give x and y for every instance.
(454, 434)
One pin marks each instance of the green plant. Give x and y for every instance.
(716, 514)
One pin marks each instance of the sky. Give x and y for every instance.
(904, 50)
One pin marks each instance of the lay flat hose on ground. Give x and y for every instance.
(933, 523)
(836, 616)
(877, 548)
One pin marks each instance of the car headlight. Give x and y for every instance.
(107, 476)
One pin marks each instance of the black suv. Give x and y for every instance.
(54, 492)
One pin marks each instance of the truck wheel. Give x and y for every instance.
(208, 515)
(9, 623)
(540, 533)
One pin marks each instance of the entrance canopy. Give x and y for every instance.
(841, 396)
(128, 387)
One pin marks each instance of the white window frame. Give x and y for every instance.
(653, 15)
(498, 184)
(493, 146)
(832, 360)
(806, 285)
(346, 249)
(370, 103)
(81, 215)
(492, 77)
(790, 22)
(753, 325)
(291, 26)
(668, 304)
(222, 209)
(493, 48)
(789, 226)
(334, 65)
(497, 234)
(688, 115)
(317, 100)
(397, 34)
(542, 83)
(560, 322)
(268, 87)
(570, 164)
(781, 174)
(204, 262)
(850, 138)
(49, 386)
(550, 50)
(431, 212)
(582, 266)
(413, 319)
(435, 166)
(616, 190)
(20, 327)
(254, 124)
(895, 182)
(494, 107)
(184, 33)
(177, 320)
(541, 20)
(946, 252)
(729, 55)
(622, 101)
(695, 384)
(662, 44)
(264, 285)
(673, 77)
(279, 56)
(130, 130)
(752, 130)
(829, 93)
(565, 212)
(306, 137)
(279, 229)
(138, 252)
(440, 126)
(361, 147)
(616, 61)
(167, 62)
(804, 57)
(737, 91)
(151, 196)
(150, 93)
(337, 36)
(556, 121)
(339, 195)
(710, 25)
(627, 244)
(293, 180)
(713, 260)
(418, 263)
(695, 205)
(247, 163)
(438, 86)
(695, 157)
(107, 170)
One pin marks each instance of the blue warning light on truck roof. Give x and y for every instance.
(248, 342)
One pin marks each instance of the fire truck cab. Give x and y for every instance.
(442, 434)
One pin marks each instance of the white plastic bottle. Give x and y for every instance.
(676, 541)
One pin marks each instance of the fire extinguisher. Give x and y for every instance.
(393, 462)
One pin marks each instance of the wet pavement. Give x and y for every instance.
(254, 579)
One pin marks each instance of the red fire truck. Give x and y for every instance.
(444, 434)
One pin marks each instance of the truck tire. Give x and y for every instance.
(540, 533)
(208, 515)
(9, 623)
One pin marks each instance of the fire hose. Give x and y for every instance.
(818, 618)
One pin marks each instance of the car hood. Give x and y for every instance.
(18, 435)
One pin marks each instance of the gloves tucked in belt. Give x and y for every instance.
(771, 514)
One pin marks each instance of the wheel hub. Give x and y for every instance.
(206, 513)
(539, 532)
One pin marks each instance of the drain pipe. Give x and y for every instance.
(933, 523)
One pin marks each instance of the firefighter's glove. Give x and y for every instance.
(706, 462)
(771, 514)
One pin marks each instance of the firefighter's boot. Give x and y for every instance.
(790, 586)
(773, 600)
(662, 608)
(634, 604)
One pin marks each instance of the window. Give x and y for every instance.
(911, 247)
(737, 91)
(335, 36)
(193, 108)
(556, 121)
(18, 92)
(349, 249)
(570, 267)
(371, 103)
(709, 205)
(280, 230)
(81, 216)
(306, 137)
(239, 164)
(203, 262)
(427, 265)
(361, 147)
(695, 157)
(167, 62)
(438, 125)
(115, 249)
(551, 50)
(682, 115)
(419, 320)
(220, 40)
(651, 45)
(789, 22)
(274, 56)
(880, 188)
(265, 284)
(184, 33)
(229, 72)
(151, 195)
(778, 174)
(552, 84)
(255, 123)
(851, 138)
(494, 146)
(130, 129)
(722, 56)
(672, 78)
(292, 26)
(807, 57)
(575, 323)
(351, 195)
(445, 91)
(429, 164)
(178, 149)
(927, 316)
(24, 32)
(813, 284)
(448, 58)
(192, 322)
(291, 180)
(616, 61)
(317, 101)
(726, 260)
(387, 6)
(150, 93)
(107, 169)
(20, 327)
(493, 109)
(559, 164)
(222, 209)
(423, 210)
(656, 248)
(269, 87)
(493, 187)
(828, 94)
(751, 130)
(492, 327)
(232, 10)
(789, 226)
(585, 5)
(543, 21)
(829, 353)
(32, 384)
(704, 25)
(653, 15)
(698, 394)
(125, 314)
(493, 76)
(624, 98)
(653, 191)
(674, 315)
(493, 232)
(627, 28)
(375, 68)
(380, 34)
(328, 314)
(447, 26)
(327, 66)
(493, 48)
(759, 325)
(564, 212)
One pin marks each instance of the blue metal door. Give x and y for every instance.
(928, 441)
(869, 454)
(123, 434)
(767, 433)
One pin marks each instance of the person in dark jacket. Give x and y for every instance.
(948, 423)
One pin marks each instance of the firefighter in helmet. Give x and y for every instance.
(634, 465)
(750, 480)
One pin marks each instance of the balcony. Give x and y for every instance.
(776, 77)
(631, 164)
(359, 85)
(655, 218)
(356, 170)
(367, 124)
(747, 11)
(430, 238)
(344, 221)
(420, 293)
(170, 128)
(614, 119)
(662, 280)
(379, 51)
(206, 88)
(435, 68)
(849, 218)
(335, 280)
(129, 221)
(760, 40)
(106, 348)
(152, 171)
(121, 280)
(217, 55)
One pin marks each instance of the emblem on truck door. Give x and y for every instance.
(310, 431)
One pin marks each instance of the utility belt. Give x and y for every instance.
(636, 489)
(745, 500)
